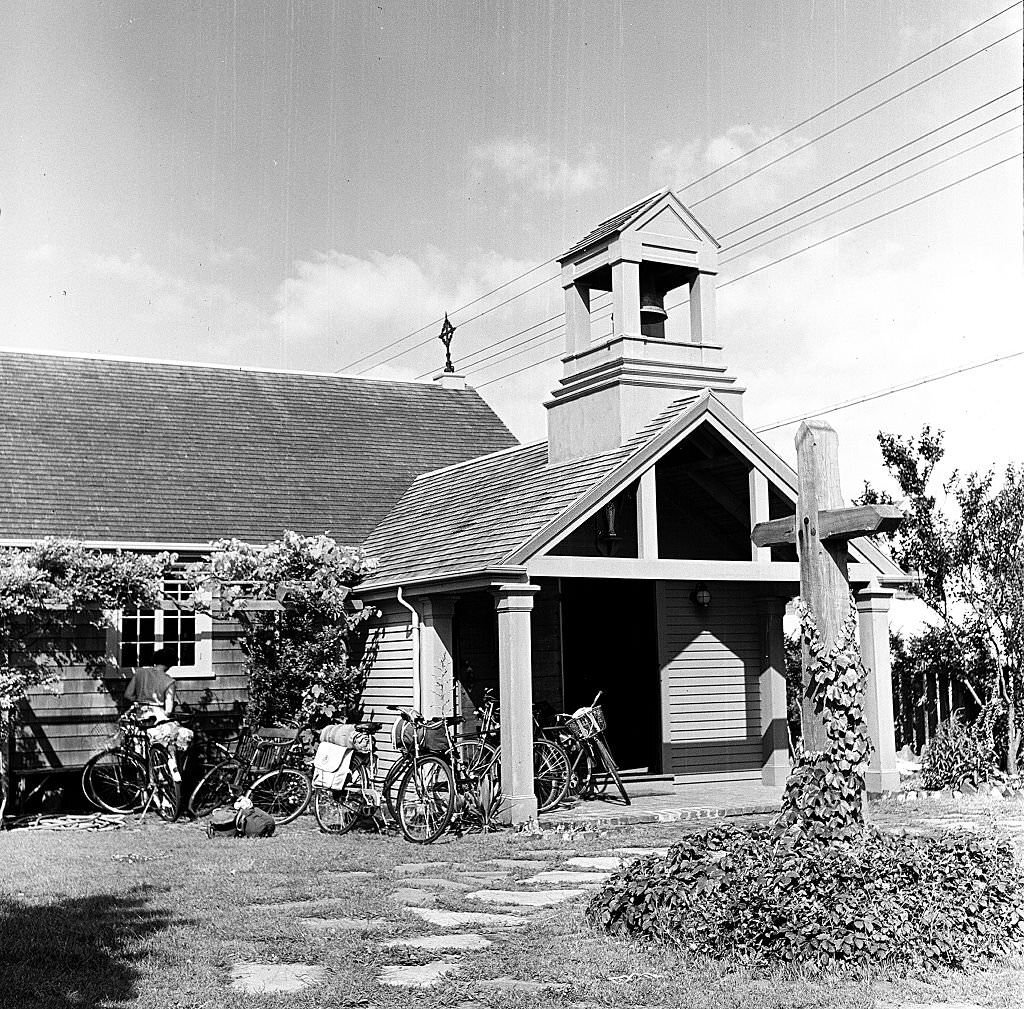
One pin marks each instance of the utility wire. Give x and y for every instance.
(689, 185)
(480, 361)
(869, 397)
(853, 94)
(853, 119)
(868, 164)
(806, 248)
(869, 196)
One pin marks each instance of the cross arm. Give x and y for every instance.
(833, 523)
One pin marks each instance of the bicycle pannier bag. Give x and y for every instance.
(430, 736)
(331, 766)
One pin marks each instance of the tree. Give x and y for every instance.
(49, 593)
(971, 571)
(307, 662)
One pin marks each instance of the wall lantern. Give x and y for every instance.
(701, 596)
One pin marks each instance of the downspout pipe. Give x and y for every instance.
(416, 686)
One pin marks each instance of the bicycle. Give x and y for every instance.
(263, 769)
(551, 766)
(134, 775)
(337, 811)
(581, 736)
(440, 788)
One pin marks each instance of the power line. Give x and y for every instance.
(476, 364)
(868, 164)
(853, 119)
(871, 220)
(887, 392)
(872, 195)
(797, 252)
(853, 94)
(755, 171)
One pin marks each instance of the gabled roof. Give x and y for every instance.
(639, 212)
(474, 516)
(140, 451)
(503, 509)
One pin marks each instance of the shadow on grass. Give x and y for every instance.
(76, 952)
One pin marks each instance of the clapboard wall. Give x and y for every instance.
(710, 664)
(390, 680)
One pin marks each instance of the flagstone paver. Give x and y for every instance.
(459, 941)
(414, 897)
(347, 924)
(517, 863)
(416, 976)
(258, 978)
(348, 874)
(551, 852)
(642, 852)
(603, 862)
(465, 919)
(525, 898)
(569, 876)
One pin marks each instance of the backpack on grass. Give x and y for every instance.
(226, 821)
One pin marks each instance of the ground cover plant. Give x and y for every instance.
(819, 886)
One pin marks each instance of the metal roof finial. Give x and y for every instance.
(447, 332)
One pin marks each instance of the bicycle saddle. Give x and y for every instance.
(369, 727)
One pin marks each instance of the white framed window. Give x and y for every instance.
(136, 634)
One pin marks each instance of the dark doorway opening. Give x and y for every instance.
(610, 643)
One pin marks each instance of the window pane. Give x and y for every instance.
(187, 654)
(129, 630)
(129, 655)
(146, 654)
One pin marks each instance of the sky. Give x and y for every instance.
(302, 185)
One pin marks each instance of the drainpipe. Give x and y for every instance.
(415, 650)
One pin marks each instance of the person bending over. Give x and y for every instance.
(151, 689)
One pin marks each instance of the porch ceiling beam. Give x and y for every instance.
(561, 566)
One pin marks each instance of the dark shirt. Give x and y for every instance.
(149, 685)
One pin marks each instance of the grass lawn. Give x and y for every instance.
(154, 916)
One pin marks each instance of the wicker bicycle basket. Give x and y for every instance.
(587, 722)
(261, 754)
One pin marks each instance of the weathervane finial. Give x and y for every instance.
(447, 332)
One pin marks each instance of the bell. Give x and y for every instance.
(652, 310)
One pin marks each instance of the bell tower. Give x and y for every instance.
(614, 385)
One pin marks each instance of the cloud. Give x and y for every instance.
(679, 165)
(522, 162)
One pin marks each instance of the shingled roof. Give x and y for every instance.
(614, 224)
(134, 451)
(500, 510)
(476, 515)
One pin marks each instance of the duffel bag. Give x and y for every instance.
(255, 822)
(223, 822)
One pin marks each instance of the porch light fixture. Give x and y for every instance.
(701, 596)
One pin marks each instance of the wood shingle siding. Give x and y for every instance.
(710, 665)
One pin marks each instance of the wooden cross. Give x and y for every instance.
(821, 530)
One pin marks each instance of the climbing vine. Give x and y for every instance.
(824, 795)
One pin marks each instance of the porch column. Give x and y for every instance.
(873, 608)
(515, 691)
(647, 516)
(436, 655)
(774, 728)
(625, 298)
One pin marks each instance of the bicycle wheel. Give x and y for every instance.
(550, 774)
(216, 788)
(392, 782)
(426, 800)
(337, 811)
(284, 793)
(610, 766)
(115, 781)
(166, 787)
(581, 769)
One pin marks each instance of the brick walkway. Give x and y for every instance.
(688, 802)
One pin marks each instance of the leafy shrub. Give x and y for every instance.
(959, 753)
(760, 899)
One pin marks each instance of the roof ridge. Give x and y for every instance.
(167, 362)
